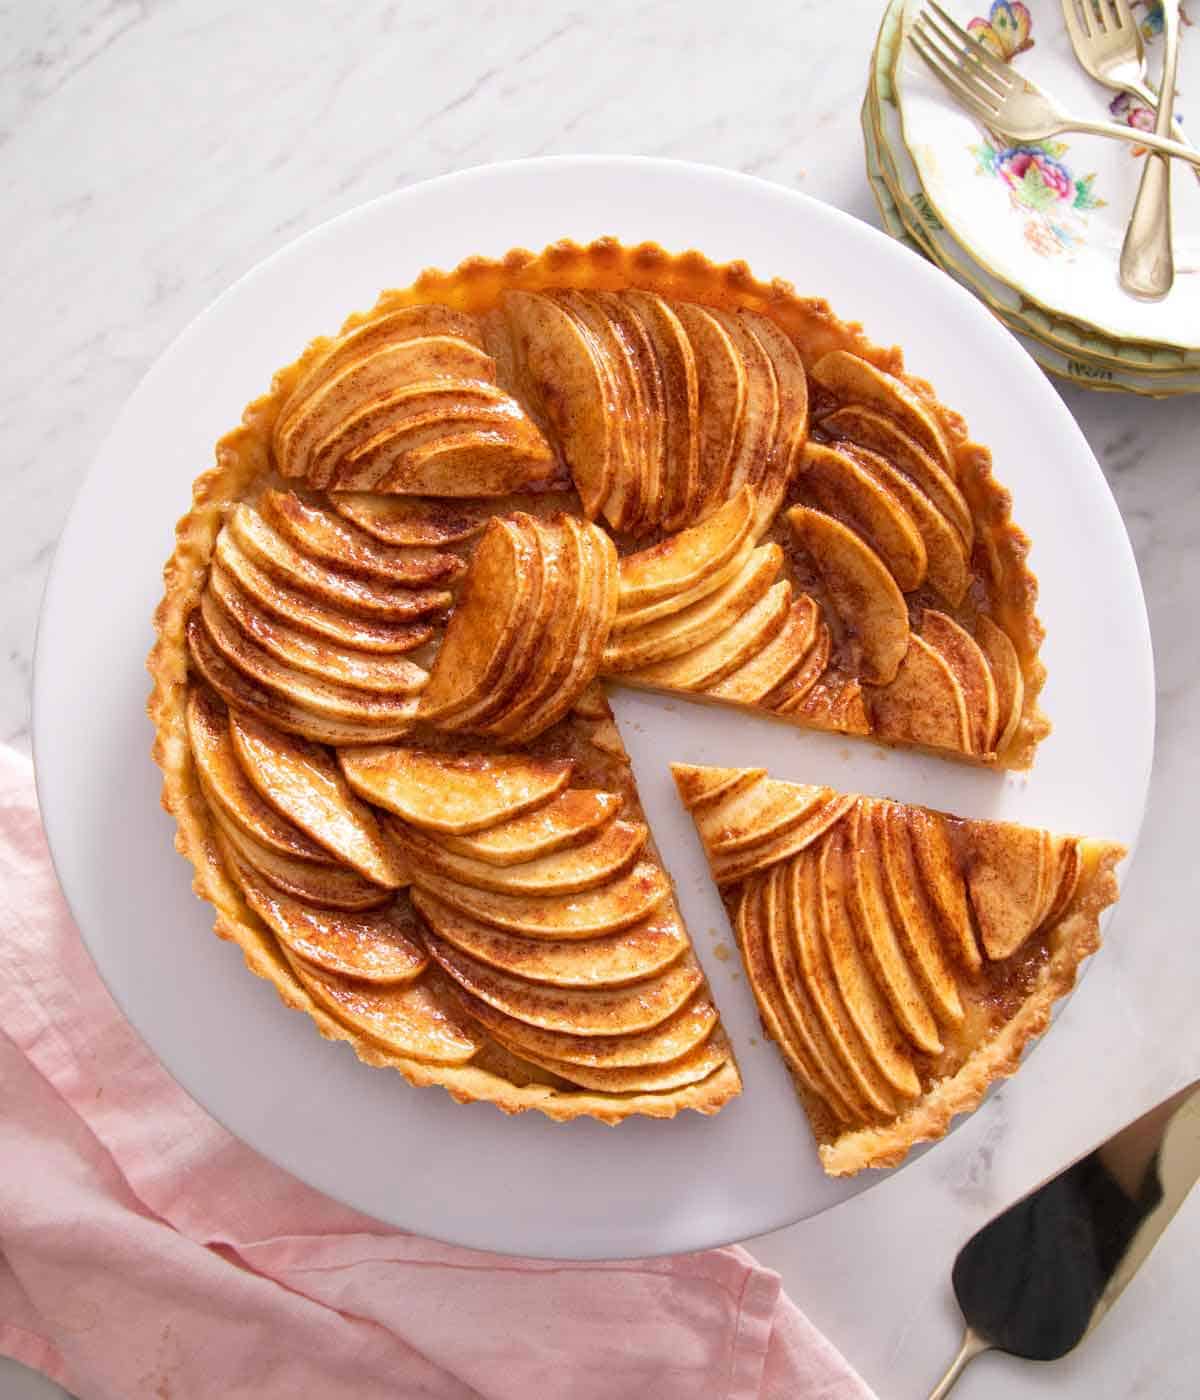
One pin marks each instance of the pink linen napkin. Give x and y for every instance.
(146, 1252)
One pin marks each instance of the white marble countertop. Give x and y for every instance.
(154, 150)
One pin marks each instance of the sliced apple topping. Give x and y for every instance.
(793, 694)
(775, 662)
(836, 704)
(699, 786)
(791, 432)
(612, 960)
(305, 785)
(682, 562)
(429, 523)
(962, 654)
(457, 793)
(629, 619)
(568, 820)
(1012, 876)
(851, 379)
(754, 451)
(843, 487)
(942, 882)
(861, 589)
(720, 399)
(692, 1068)
(1005, 666)
(924, 703)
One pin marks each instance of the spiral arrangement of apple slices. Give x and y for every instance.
(885, 944)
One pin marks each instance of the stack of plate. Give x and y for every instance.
(1035, 229)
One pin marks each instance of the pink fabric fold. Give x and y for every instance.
(146, 1252)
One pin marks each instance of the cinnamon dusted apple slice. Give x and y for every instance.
(736, 865)
(720, 402)
(332, 886)
(570, 819)
(760, 425)
(962, 654)
(942, 881)
(847, 377)
(780, 658)
(752, 812)
(487, 621)
(845, 489)
(325, 699)
(1067, 880)
(1012, 875)
(379, 946)
(305, 785)
(429, 523)
(669, 1040)
(304, 651)
(630, 619)
(707, 665)
(609, 908)
(1006, 673)
(836, 704)
(611, 960)
(578, 868)
(682, 562)
(697, 1065)
(680, 632)
(323, 535)
(700, 786)
(456, 793)
(372, 634)
(555, 356)
(494, 453)
(417, 1021)
(791, 431)
(883, 435)
(392, 601)
(241, 692)
(924, 703)
(861, 589)
(793, 694)
(617, 1011)
(681, 487)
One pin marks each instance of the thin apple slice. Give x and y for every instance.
(242, 693)
(843, 488)
(680, 492)
(578, 868)
(861, 589)
(681, 632)
(1070, 866)
(326, 699)
(331, 886)
(1005, 667)
(664, 1043)
(652, 397)
(780, 658)
(883, 435)
(709, 664)
(324, 535)
(566, 821)
(225, 782)
(456, 793)
(692, 1068)
(848, 377)
(924, 703)
(492, 609)
(790, 697)
(492, 458)
(755, 447)
(617, 1011)
(556, 357)
(721, 400)
(619, 904)
(812, 953)
(350, 629)
(817, 821)
(303, 651)
(304, 784)
(867, 1008)
(683, 561)
(754, 812)
(428, 523)
(913, 916)
(614, 960)
(417, 1021)
(866, 900)
(700, 786)
(390, 601)
(942, 882)
(962, 654)
(630, 619)
(376, 946)
(835, 704)
(791, 432)
(1008, 870)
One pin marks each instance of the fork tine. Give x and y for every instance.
(967, 74)
(969, 69)
(1079, 21)
(1124, 13)
(1107, 18)
(948, 76)
(980, 52)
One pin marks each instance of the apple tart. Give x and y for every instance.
(901, 958)
(378, 673)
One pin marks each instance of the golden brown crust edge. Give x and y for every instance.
(1074, 938)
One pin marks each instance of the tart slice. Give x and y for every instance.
(901, 958)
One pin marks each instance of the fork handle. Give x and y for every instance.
(972, 1345)
(1149, 98)
(1178, 149)
(1147, 258)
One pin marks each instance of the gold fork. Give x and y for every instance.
(1004, 100)
(1108, 44)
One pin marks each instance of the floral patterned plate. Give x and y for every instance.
(1047, 218)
